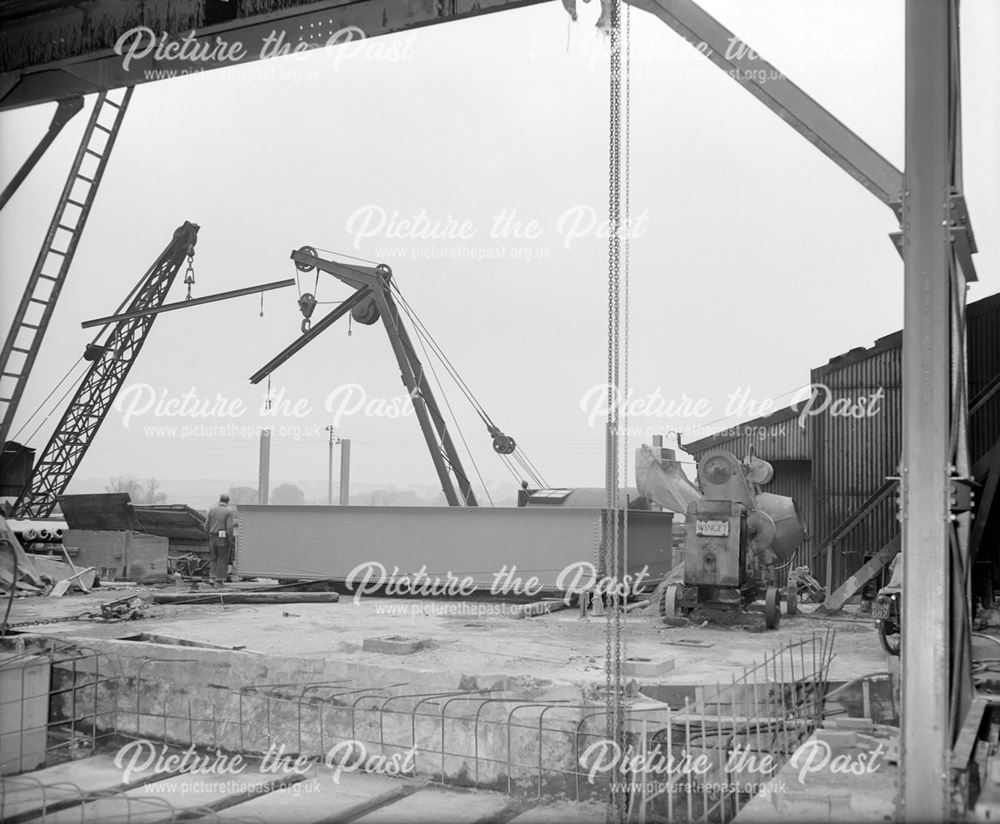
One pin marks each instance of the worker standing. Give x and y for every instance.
(219, 527)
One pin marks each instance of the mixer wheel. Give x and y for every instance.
(772, 607)
(670, 606)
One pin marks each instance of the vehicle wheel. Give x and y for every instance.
(670, 606)
(772, 608)
(889, 636)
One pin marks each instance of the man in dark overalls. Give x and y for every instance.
(219, 528)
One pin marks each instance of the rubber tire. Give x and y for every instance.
(772, 608)
(883, 639)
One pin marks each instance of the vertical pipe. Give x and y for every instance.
(925, 731)
(345, 470)
(264, 466)
(657, 446)
(329, 471)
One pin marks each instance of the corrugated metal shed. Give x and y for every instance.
(852, 438)
(854, 454)
(983, 330)
(774, 437)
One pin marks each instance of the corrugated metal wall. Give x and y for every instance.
(776, 437)
(853, 455)
(983, 329)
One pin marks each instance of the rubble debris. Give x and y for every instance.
(543, 607)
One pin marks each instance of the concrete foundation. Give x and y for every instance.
(481, 699)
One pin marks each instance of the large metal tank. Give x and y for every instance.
(779, 525)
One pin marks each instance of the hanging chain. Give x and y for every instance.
(189, 274)
(612, 548)
(624, 229)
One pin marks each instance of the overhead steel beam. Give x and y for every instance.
(184, 304)
(800, 111)
(314, 331)
(64, 112)
(927, 255)
(63, 48)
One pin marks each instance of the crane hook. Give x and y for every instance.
(307, 303)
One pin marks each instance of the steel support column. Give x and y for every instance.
(925, 734)
(64, 112)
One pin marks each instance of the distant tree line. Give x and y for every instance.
(147, 492)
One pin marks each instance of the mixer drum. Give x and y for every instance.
(789, 531)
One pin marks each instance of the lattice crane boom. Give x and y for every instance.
(112, 361)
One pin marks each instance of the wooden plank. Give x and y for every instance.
(82, 579)
(61, 572)
(847, 590)
(543, 607)
(961, 753)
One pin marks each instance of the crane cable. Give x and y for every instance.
(425, 338)
(458, 428)
(420, 328)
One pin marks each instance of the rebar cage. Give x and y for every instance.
(701, 760)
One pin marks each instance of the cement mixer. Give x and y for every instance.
(735, 535)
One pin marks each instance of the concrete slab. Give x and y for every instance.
(829, 784)
(480, 641)
(563, 812)
(442, 807)
(51, 785)
(318, 798)
(160, 800)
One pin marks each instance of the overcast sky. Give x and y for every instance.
(754, 257)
